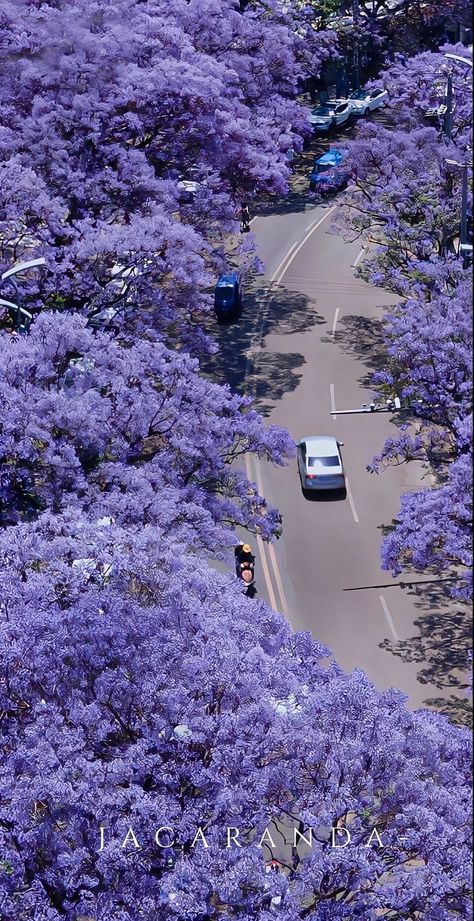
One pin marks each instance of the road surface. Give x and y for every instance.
(305, 349)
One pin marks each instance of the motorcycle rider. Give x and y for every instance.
(243, 554)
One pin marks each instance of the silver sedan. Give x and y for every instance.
(320, 464)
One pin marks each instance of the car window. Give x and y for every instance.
(332, 461)
(341, 108)
(357, 94)
(375, 93)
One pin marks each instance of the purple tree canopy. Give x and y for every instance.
(96, 144)
(405, 201)
(103, 425)
(138, 687)
(140, 691)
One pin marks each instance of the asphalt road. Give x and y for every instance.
(305, 349)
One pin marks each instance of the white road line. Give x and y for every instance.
(358, 258)
(300, 245)
(282, 266)
(333, 401)
(389, 617)
(351, 501)
(277, 277)
(334, 322)
(266, 571)
(271, 550)
(276, 570)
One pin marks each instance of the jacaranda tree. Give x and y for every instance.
(138, 687)
(96, 142)
(405, 201)
(141, 691)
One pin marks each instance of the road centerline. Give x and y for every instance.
(333, 401)
(389, 617)
(334, 322)
(278, 277)
(351, 501)
(260, 544)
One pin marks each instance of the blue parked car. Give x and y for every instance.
(228, 296)
(329, 173)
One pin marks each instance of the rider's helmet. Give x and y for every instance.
(246, 548)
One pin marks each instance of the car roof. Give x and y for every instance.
(332, 156)
(226, 280)
(321, 445)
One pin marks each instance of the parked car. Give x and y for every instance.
(329, 173)
(320, 464)
(364, 101)
(330, 115)
(228, 296)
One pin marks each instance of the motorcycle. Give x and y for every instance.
(245, 568)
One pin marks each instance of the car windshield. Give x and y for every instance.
(332, 461)
(325, 167)
(358, 94)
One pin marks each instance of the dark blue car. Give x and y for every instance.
(329, 173)
(228, 296)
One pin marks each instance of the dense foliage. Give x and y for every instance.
(405, 201)
(95, 145)
(138, 687)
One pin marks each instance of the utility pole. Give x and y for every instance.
(390, 406)
(355, 20)
(465, 250)
(463, 237)
(448, 118)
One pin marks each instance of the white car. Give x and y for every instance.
(320, 463)
(330, 115)
(364, 101)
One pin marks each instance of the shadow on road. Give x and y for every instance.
(362, 338)
(292, 203)
(243, 363)
(336, 495)
(441, 649)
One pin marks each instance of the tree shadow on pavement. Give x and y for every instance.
(241, 360)
(296, 201)
(273, 375)
(441, 648)
(362, 338)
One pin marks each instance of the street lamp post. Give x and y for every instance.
(10, 275)
(464, 247)
(448, 118)
(390, 406)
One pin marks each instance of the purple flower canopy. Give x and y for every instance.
(406, 201)
(138, 687)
